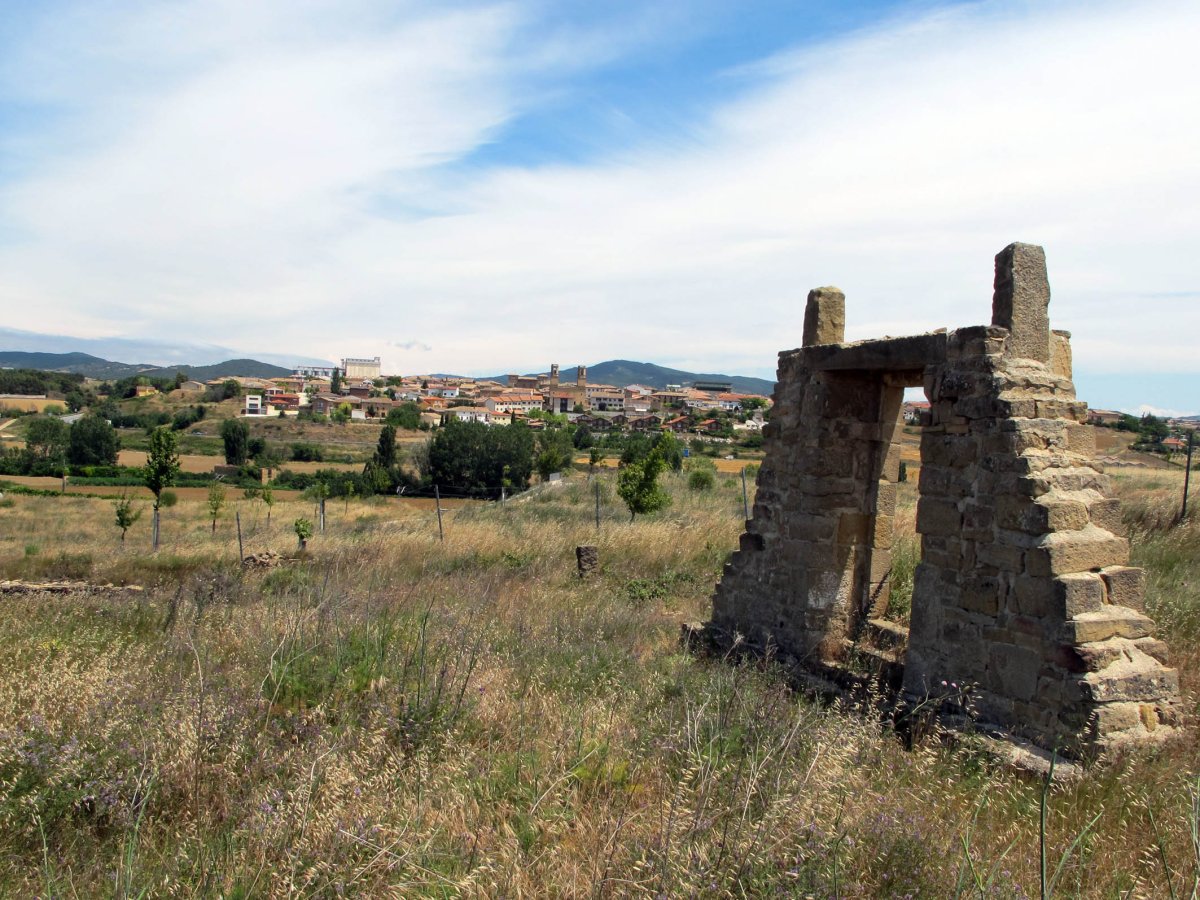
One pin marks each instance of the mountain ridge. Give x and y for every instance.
(96, 367)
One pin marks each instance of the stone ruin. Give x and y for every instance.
(1022, 595)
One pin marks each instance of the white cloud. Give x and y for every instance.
(266, 186)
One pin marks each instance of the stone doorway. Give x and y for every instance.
(1022, 592)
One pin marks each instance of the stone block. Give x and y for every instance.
(1106, 513)
(885, 498)
(980, 594)
(825, 317)
(884, 532)
(1109, 622)
(1021, 435)
(1062, 553)
(1081, 438)
(1013, 671)
(1021, 300)
(1111, 717)
(1060, 353)
(938, 517)
(890, 467)
(1001, 557)
(1075, 593)
(1125, 586)
(1155, 649)
(1125, 681)
(941, 481)
(1041, 515)
(977, 520)
(881, 565)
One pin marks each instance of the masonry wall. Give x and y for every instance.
(1023, 592)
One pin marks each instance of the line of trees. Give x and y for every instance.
(51, 446)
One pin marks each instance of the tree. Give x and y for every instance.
(582, 439)
(385, 450)
(268, 497)
(126, 515)
(161, 469)
(554, 452)
(379, 471)
(407, 416)
(335, 382)
(93, 442)
(637, 483)
(216, 502)
(304, 531)
(473, 458)
(235, 434)
(46, 439)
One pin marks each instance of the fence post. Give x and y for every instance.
(437, 493)
(597, 483)
(1187, 475)
(241, 552)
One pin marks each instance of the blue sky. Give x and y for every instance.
(481, 187)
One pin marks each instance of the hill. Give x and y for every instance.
(95, 367)
(621, 372)
(251, 368)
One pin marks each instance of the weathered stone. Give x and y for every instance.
(1125, 586)
(1021, 301)
(1076, 551)
(1109, 622)
(937, 517)
(587, 560)
(825, 317)
(1022, 590)
(1060, 353)
(1106, 513)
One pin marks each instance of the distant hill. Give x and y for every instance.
(95, 367)
(621, 372)
(251, 368)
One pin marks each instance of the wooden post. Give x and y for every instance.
(1187, 475)
(597, 505)
(241, 552)
(154, 528)
(437, 493)
(321, 515)
(745, 495)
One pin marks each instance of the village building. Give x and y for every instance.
(353, 367)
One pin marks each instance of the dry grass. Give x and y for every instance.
(395, 716)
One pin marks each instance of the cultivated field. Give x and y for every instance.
(392, 715)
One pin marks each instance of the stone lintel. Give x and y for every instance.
(825, 317)
(1021, 300)
(903, 354)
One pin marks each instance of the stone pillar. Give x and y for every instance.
(587, 560)
(1021, 301)
(825, 317)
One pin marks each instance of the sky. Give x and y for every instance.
(484, 187)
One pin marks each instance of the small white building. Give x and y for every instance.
(254, 406)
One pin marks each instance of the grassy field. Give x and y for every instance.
(392, 715)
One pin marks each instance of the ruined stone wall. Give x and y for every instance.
(1022, 593)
